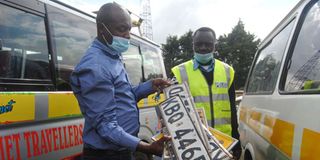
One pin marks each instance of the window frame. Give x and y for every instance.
(288, 62)
(12, 84)
(136, 44)
(50, 30)
(150, 47)
(291, 20)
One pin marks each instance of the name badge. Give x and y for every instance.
(221, 85)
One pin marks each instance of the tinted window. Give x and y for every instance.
(133, 63)
(151, 62)
(72, 35)
(23, 48)
(265, 72)
(303, 73)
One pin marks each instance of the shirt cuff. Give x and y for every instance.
(149, 88)
(132, 142)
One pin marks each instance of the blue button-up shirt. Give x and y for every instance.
(107, 99)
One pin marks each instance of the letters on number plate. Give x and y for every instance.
(187, 142)
(190, 138)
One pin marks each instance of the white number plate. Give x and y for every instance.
(185, 137)
(183, 91)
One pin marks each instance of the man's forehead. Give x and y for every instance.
(119, 14)
(120, 18)
(204, 36)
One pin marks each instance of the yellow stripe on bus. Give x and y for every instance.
(282, 136)
(254, 120)
(310, 146)
(16, 107)
(278, 132)
(269, 122)
(242, 115)
(62, 104)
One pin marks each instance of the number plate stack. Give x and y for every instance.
(190, 138)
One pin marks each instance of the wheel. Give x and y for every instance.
(247, 155)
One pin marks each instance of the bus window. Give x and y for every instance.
(72, 35)
(23, 45)
(151, 62)
(303, 74)
(133, 63)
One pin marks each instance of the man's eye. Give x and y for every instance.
(123, 29)
(204, 44)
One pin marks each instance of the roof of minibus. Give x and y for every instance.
(282, 22)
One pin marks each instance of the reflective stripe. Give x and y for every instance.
(227, 69)
(41, 106)
(145, 102)
(183, 74)
(216, 97)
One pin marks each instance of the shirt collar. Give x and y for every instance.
(107, 50)
(197, 65)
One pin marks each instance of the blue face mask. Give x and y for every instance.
(203, 58)
(119, 44)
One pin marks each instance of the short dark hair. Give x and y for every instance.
(205, 29)
(105, 12)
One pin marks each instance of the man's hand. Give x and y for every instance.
(159, 84)
(155, 148)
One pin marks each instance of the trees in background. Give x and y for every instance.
(177, 50)
(236, 49)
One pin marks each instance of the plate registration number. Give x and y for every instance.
(186, 141)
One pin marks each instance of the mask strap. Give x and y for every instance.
(107, 29)
(108, 32)
(105, 39)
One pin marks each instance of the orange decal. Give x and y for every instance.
(310, 146)
(269, 123)
(254, 120)
(278, 132)
(243, 114)
(282, 136)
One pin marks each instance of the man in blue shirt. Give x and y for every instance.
(106, 97)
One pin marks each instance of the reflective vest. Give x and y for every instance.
(311, 84)
(214, 100)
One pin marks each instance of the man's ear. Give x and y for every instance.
(103, 32)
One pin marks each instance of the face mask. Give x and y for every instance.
(203, 58)
(119, 44)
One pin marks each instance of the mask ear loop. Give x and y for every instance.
(108, 32)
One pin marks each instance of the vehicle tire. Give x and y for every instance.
(247, 155)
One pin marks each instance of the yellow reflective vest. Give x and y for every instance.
(311, 84)
(214, 100)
